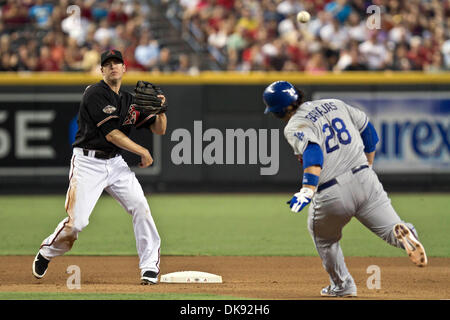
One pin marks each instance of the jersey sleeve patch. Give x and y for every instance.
(109, 109)
(299, 137)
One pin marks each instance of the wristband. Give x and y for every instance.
(310, 179)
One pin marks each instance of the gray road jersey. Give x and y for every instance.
(336, 127)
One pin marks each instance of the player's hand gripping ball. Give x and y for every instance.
(301, 199)
(303, 16)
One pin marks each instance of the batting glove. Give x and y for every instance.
(301, 199)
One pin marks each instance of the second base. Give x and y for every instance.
(190, 277)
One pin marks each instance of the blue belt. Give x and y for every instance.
(332, 182)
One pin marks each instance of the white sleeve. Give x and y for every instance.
(359, 118)
(299, 136)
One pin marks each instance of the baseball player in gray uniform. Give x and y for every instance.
(336, 145)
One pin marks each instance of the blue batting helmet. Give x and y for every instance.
(278, 96)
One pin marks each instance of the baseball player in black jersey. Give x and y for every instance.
(106, 117)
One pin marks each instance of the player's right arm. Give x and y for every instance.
(106, 118)
(305, 143)
(119, 139)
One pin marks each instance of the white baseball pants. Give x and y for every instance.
(89, 176)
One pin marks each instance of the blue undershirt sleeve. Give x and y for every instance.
(370, 138)
(312, 156)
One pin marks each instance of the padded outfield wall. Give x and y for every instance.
(218, 138)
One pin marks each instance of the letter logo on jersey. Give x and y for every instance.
(300, 135)
(109, 109)
(132, 116)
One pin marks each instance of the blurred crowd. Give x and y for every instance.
(39, 35)
(400, 35)
(244, 35)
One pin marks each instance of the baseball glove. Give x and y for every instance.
(149, 100)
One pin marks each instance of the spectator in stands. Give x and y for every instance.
(269, 11)
(147, 52)
(357, 62)
(26, 59)
(418, 53)
(333, 35)
(248, 22)
(99, 10)
(130, 60)
(91, 58)
(5, 43)
(357, 29)
(117, 14)
(56, 18)
(316, 64)
(165, 63)
(278, 57)
(131, 33)
(57, 49)
(374, 52)
(14, 14)
(184, 65)
(252, 58)
(41, 13)
(287, 26)
(72, 56)
(289, 7)
(436, 63)
(445, 49)
(240, 34)
(14, 63)
(340, 9)
(4, 61)
(105, 32)
(45, 61)
(218, 38)
(236, 41)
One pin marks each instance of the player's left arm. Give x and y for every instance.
(160, 124)
(370, 139)
(312, 167)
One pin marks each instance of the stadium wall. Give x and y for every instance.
(218, 138)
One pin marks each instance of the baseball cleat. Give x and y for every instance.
(149, 277)
(333, 292)
(347, 290)
(413, 247)
(40, 265)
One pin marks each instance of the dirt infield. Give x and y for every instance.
(271, 278)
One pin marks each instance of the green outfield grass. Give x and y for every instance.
(214, 224)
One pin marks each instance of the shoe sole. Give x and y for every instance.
(350, 295)
(35, 274)
(413, 247)
(347, 295)
(146, 281)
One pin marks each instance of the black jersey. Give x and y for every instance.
(101, 111)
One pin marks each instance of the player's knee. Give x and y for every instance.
(140, 208)
(143, 212)
(79, 225)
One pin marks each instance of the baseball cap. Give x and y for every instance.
(111, 54)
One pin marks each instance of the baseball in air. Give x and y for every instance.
(303, 16)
